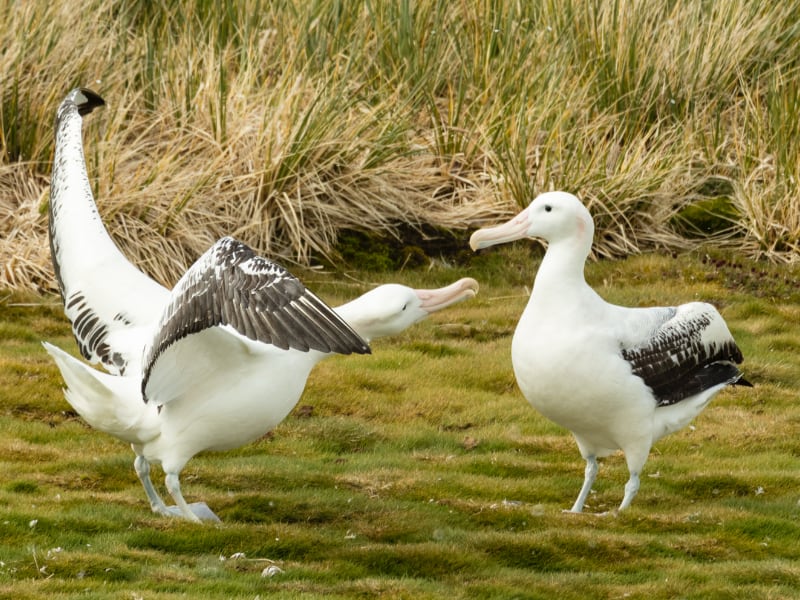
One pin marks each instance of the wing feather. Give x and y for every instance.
(231, 285)
(107, 300)
(686, 352)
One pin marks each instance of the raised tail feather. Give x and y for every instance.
(109, 403)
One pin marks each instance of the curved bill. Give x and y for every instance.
(514, 229)
(433, 300)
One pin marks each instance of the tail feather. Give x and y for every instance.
(109, 403)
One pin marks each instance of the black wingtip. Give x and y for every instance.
(363, 349)
(87, 100)
(699, 380)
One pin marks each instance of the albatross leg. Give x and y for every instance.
(142, 468)
(630, 490)
(635, 455)
(588, 479)
(196, 512)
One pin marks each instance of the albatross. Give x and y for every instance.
(618, 378)
(215, 362)
(217, 389)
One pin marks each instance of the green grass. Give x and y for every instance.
(420, 471)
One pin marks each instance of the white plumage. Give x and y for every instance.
(616, 377)
(214, 363)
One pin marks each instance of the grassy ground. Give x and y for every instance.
(420, 471)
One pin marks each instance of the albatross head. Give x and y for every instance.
(552, 216)
(390, 309)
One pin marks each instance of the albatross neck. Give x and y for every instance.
(561, 269)
(353, 312)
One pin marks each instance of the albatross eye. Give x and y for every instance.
(547, 208)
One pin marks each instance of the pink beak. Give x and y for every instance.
(433, 300)
(514, 229)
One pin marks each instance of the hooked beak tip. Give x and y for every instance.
(475, 241)
(435, 300)
(470, 286)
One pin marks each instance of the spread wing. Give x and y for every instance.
(688, 350)
(231, 285)
(109, 302)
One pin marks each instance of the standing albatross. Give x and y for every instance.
(616, 377)
(215, 388)
(210, 365)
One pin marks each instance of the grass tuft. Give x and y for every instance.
(325, 132)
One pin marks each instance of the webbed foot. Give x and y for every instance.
(199, 510)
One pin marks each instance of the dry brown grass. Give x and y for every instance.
(285, 123)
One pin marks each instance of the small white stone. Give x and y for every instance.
(271, 571)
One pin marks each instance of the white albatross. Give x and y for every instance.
(211, 365)
(616, 377)
(216, 389)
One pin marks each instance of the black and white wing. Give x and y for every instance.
(687, 351)
(230, 285)
(112, 316)
(108, 301)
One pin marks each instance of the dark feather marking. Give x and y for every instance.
(122, 318)
(300, 322)
(75, 299)
(303, 326)
(677, 365)
(84, 321)
(314, 306)
(93, 341)
(91, 333)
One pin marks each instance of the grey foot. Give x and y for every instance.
(199, 510)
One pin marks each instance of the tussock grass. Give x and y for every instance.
(420, 471)
(289, 123)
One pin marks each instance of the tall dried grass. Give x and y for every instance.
(284, 123)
